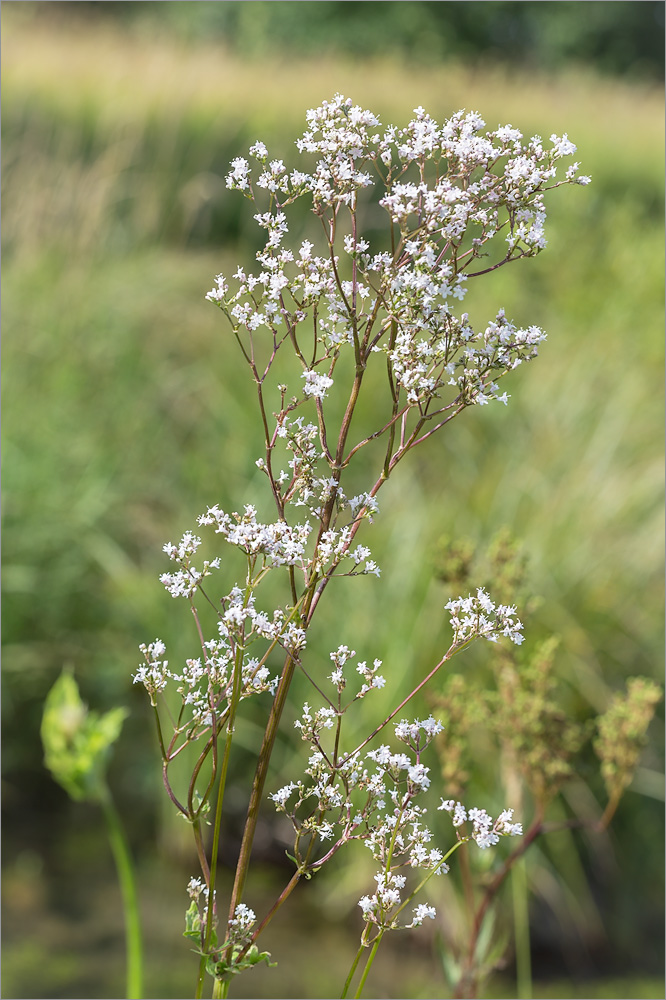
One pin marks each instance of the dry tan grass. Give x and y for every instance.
(127, 75)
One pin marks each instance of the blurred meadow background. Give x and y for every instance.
(126, 415)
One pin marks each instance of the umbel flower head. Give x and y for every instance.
(460, 201)
(480, 616)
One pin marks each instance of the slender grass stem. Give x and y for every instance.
(352, 970)
(521, 930)
(368, 965)
(125, 869)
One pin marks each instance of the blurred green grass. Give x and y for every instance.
(125, 415)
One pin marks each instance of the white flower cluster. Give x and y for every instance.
(383, 906)
(371, 678)
(346, 800)
(335, 545)
(342, 135)
(340, 657)
(315, 384)
(205, 683)
(304, 487)
(411, 732)
(198, 681)
(469, 187)
(365, 504)
(218, 293)
(279, 543)
(311, 725)
(241, 923)
(154, 674)
(195, 888)
(435, 350)
(372, 804)
(402, 834)
(199, 892)
(378, 908)
(240, 623)
(302, 483)
(399, 837)
(487, 173)
(238, 175)
(421, 912)
(485, 831)
(185, 581)
(473, 617)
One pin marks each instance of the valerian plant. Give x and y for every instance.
(317, 325)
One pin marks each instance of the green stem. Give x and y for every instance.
(200, 978)
(127, 882)
(521, 927)
(231, 719)
(349, 978)
(213, 870)
(368, 965)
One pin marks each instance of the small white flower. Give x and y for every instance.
(421, 913)
(243, 918)
(316, 385)
(238, 175)
(259, 150)
(479, 616)
(195, 887)
(218, 293)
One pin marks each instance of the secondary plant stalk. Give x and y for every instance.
(124, 867)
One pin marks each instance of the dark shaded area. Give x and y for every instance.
(624, 38)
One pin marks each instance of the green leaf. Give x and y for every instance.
(77, 742)
(223, 969)
(193, 922)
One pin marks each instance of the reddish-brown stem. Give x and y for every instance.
(201, 851)
(500, 263)
(467, 979)
(169, 790)
(450, 652)
(259, 782)
(466, 876)
(284, 895)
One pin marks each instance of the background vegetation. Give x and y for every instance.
(126, 416)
